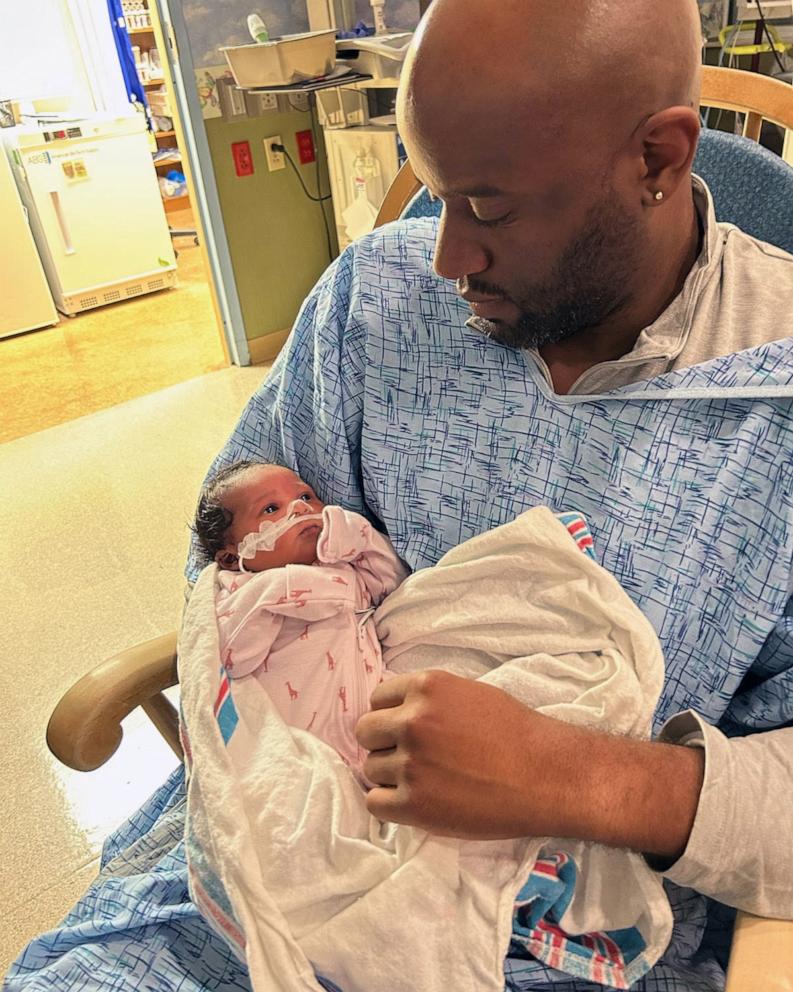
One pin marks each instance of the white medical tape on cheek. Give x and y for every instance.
(268, 533)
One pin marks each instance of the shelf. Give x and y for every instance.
(311, 85)
(176, 202)
(136, 31)
(164, 134)
(154, 82)
(171, 160)
(386, 83)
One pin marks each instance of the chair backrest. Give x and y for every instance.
(758, 97)
(751, 187)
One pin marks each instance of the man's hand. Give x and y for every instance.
(463, 758)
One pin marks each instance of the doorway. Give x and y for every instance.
(96, 354)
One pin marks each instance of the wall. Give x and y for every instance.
(275, 234)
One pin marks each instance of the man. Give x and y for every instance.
(568, 238)
(623, 357)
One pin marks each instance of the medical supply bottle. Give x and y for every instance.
(257, 29)
(366, 177)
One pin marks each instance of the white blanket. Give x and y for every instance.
(284, 858)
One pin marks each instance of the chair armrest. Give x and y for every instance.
(761, 955)
(85, 727)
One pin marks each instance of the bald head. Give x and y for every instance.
(608, 62)
(560, 138)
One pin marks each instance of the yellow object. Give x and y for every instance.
(779, 45)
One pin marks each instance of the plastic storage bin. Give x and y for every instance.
(380, 57)
(283, 61)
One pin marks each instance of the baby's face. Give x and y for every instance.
(269, 492)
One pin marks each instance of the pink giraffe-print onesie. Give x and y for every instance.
(305, 631)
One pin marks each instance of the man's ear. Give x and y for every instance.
(670, 143)
(227, 559)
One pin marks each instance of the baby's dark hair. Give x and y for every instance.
(212, 518)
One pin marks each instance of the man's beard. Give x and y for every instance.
(589, 284)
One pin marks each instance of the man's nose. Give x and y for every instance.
(457, 253)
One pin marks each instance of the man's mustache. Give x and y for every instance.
(472, 285)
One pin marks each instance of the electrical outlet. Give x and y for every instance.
(243, 161)
(275, 160)
(257, 103)
(298, 101)
(305, 147)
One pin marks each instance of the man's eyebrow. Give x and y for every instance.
(478, 192)
(473, 192)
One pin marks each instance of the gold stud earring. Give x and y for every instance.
(659, 196)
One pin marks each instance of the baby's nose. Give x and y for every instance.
(299, 507)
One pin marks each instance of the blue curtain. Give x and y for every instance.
(126, 59)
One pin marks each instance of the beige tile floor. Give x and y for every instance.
(93, 527)
(113, 353)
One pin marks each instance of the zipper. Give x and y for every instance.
(360, 680)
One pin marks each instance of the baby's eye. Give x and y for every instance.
(270, 508)
(307, 497)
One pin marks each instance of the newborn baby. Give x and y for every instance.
(297, 587)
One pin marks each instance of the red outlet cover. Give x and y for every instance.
(243, 160)
(305, 146)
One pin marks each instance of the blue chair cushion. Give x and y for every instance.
(752, 188)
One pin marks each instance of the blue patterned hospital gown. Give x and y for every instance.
(388, 404)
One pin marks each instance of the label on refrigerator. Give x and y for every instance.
(75, 170)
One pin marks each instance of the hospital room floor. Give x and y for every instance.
(114, 353)
(94, 530)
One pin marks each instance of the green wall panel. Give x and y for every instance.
(275, 233)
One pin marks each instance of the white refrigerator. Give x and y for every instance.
(95, 209)
(25, 299)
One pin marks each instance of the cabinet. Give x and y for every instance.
(149, 63)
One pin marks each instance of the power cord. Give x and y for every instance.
(312, 106)
(320, 199)
(736, 30)
(770, 39)
(316, 199)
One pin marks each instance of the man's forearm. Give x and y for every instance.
(460, 757)
(625, 793)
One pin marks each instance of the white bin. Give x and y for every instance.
(283, 61)
(380, 57)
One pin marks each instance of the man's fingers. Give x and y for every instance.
(381, 767)
(392, 692)
(376, 731)
(389, 805)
